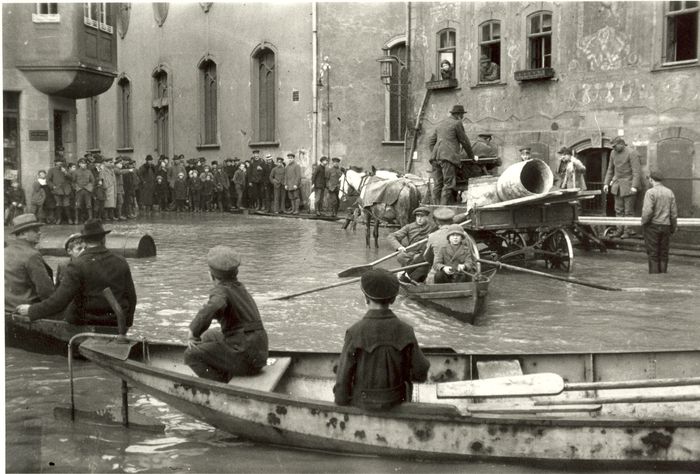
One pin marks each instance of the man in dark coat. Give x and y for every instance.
(445, 143)
(659, 221)
(59, 181)
(318, 182)
(80, 293)
(408, 235)
(28, 279)
(240, 345)
(334, 176)
(623, 179)
(380, 357)
(256, 176)
(147, 174)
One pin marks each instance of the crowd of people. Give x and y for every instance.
(113, 189)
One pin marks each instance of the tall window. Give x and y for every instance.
(98, 15)
(207, 71)
(446, 57)
(490, 51)
(264, 113)
(93, 122)
(398, 95)
(46, 13)
(124, 113)
(681, 31)
(161, 111)
(539, 38)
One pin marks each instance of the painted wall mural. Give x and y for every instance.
(607, 50)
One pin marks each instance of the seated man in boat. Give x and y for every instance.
(380, 357)
(409, 235)
(455, 261)
(80, 296)
(444, 219)
(28, 278)
(240, 346)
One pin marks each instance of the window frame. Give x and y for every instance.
(124, 115)
(93, 123)
(162, 76)
(100, 18)
(488, 43)
(208, 138)
(540, 35)
(392, 98)
(450, 50)
(256, 57)
(668, 14)
(39, 17)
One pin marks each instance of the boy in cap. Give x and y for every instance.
(74, 246)
(659, 221)
(240, 346)
(381, 356)
(408, 235)
(436, 240)
(455, 261)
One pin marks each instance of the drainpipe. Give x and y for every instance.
(407, 160)
(314, 84)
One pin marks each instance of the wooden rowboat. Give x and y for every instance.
(464, 301)
(290, 404)
(46, 336)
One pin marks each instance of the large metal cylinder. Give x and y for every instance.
(126, 245)
(524, 179)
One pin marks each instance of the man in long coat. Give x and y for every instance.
(59, 181)
(106, 173)
(623, 180)
(333, 185)
(318, 182)
(147, 173)
(445, 143)
(292, 182)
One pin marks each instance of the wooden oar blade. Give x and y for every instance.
(355, 271)
(515, 386)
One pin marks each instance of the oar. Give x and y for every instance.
(360, 269)
(548, 275)
(345, 282)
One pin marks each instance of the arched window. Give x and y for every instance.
(397, 95)
(264, 94)
(446, 53)
(160, 12)
(124, 113)
(209, 102)
(490, 51)
(539, 40)
(161, 111)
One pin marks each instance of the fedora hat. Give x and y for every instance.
(457, 109)
(93, 228)
(24, 222)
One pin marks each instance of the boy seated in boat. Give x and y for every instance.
(455, 261)
(380, 356)
(74, 246)
(240, 346)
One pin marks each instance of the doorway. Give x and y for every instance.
(60, 121)
(596, 162)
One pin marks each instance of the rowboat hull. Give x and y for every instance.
(463, 301)
(46, 336)
(299, 412)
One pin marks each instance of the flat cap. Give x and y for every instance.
(656, 175)
(564, 151)
(335, 159)
(422, 210)
(443, 214)
(456, 229)
(223, 258)
(379, 284)
(324, 158)
(524, 148)
(617, 140)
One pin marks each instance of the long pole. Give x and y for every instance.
(314, 83)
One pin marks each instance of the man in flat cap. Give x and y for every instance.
(570, 172)
(410, 236)
(239, 346)
(278, 192)
(333, 185)
(256, 177)
(318, 183)
(485, 154)
(292, 182)
(446, 143)
(623, 180)
(59, 180)
(525, 153)
(28, 279)
(381, 357)
(659, 221)
(79, 296)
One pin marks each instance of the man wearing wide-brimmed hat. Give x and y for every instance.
(623, 179)
(80, 296)
(411, 234)
(446, 143)
(28, 279)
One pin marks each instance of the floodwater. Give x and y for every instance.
(282, 256)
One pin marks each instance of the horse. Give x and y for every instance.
(383, 196)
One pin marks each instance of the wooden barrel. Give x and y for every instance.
(126, 245)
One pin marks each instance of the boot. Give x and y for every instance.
(89, 211)
(663, 266)
(77, 215)
(57, 215)
(653, 266)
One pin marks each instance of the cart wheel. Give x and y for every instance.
(513, 240)
(560, 244)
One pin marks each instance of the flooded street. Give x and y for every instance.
(281, 256)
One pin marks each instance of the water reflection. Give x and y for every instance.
(283, 256)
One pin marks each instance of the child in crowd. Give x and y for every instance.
(161, 193)
(455, 261)
(15, 201)
(100, 198)
(239, 184)
(207, 190)
(195, 190)
(38, 196)
(74, 246)
(180, 192)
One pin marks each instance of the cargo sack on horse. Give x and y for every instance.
(387, 200)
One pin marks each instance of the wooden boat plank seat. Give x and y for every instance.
(489, 369)
(268, 378)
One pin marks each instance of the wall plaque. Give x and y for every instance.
(38, 135)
